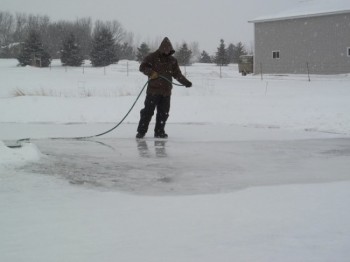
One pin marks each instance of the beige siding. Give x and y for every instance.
(320, 42)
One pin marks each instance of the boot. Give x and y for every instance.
(140, 135)
(161, 135)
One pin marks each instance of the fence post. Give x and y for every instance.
(127, 68)
(308, 71)
(261, 73)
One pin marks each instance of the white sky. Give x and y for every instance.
(203, 21)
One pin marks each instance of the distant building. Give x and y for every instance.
(315, 36)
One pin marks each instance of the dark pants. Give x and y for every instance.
(162, 103)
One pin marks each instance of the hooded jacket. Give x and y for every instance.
(162, 62)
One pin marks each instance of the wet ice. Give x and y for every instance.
(150, 166)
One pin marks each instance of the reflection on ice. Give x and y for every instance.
(159, 148)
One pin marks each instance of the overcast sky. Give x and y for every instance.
(203, 21)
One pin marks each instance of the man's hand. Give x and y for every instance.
(154, 75)
(189, 84)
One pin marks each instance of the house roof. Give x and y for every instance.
(308, 8)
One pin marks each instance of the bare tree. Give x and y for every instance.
(58, 31)
(83, 31)
(114, 27)
(20, 29)
(6, 28)
(129, 38)
(38, 22)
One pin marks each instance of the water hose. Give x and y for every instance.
(117, 125)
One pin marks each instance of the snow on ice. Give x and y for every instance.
(29, 152)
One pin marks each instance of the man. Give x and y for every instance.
(160, 66)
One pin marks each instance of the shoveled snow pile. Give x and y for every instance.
(17, 156)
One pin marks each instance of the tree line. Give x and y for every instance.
(35, 40)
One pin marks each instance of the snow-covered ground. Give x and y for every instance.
(254, 169)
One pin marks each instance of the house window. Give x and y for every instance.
(276, 54)
(349, 51)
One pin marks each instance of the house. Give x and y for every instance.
(314, 38)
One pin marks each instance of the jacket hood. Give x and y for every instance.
(166, 47)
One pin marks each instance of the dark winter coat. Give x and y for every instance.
(162, 62)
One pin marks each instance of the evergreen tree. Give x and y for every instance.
(205, 58)
(126, 52)
(33, 52)
(104, 50)
(221, 57)
(231, 53)
(239, 50)
(183, 55)
(142, 52)
(71, 52)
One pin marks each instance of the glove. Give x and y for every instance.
(153, 75)
(189, 84)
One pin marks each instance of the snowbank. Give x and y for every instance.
(18, 156)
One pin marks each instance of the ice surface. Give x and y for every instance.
(193, 164)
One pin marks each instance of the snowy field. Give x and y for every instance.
(255, 168)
